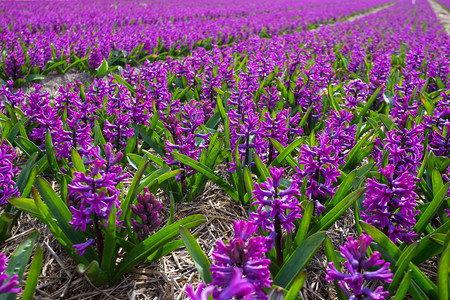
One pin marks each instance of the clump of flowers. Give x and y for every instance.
(8, 283)
(319, 162)
(277, 209)
(391, 206)
(405, 145)
(94, 194)
(342, 135)
(355, 91)
(147, 210)
(354, 284)
(8, 187)
(241, 260)
(238, 287)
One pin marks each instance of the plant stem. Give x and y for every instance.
(99, 238)
(278, 241)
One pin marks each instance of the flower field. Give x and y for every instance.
(286, 149)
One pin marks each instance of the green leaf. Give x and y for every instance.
(443, 270)
(344, 188)
(304, 222)
(299, 259)
(437, 181)
(27, 205)
(333, 102)
(296, 286)
(201, 262)
(352, 157)
(385, 243)
(278, 161)
(331, 256)
(25, 174)
(59, 210)
(428, 106)
(369, 102)
(153, 243)
(102, 70)
(28, 147)
(110, 246)
(19, 260)
(77, 162)
(50, 152)
(289, 159)
(132, 191)
(429, 247)
(94, 273)
(131, 145)
(166, 249)
(249, 185)
(208, 173)
(431, 209)
(403, 287)
(263, 170)
(329, 217)
(33, 274)
(402, 265)
(388, 123)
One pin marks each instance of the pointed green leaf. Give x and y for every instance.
(33, 274)
(443, 271)
(208, 173)
(19, 260)
(153, 243)
(201, 262)
(299, 259)
(431, 209)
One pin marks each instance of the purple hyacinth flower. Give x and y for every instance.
(201, 293)
(93, 194)
(355, 91)
(238, 287)
(319, 162)
(244, 252)
(274, 203)
(81, 248)
(147, 210)
(391, 206)
(351, 283)
(8, 283)
(8, 171)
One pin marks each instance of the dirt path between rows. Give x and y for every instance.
(442, 14)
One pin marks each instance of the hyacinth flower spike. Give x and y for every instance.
(93, 195)
(241, 266)
(8, 188)
(391, 206)
(354, 284)
(277, 209)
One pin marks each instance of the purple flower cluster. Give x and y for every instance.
(355, 91)
(8, 95)
(183, 136)
(391, 206)
(405, 146)
(341, 134)
(8, 283)
(354, 284)
(8, 171)
(238, 288)
(276, 207)
(241, 262)
(320, 167)
(92, 195)
(77, 136)
(147, 210)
